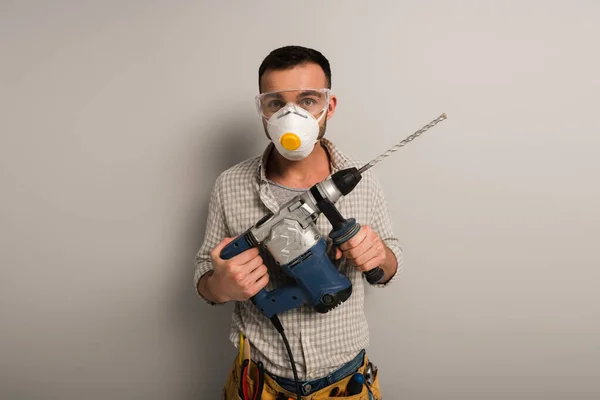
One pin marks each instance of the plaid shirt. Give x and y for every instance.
(320, 343)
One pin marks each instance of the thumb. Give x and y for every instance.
(338, 253)
(216, 252)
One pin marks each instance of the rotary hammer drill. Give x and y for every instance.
(297, 246)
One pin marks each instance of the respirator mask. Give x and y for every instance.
(293, 117)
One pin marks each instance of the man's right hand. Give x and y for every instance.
(238, 278)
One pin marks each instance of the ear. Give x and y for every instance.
(332, 106)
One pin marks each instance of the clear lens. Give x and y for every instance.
(312, 100)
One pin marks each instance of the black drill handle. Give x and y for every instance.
(375, 275)
(344, 231)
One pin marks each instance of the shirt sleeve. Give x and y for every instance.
(381, 223)
(215, 231)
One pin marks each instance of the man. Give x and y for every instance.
(295, 103)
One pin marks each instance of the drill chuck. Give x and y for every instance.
(346, 179)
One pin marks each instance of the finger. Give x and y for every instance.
(258, 285)
(361, 249)
(245, 256)
(371, 253)
(257, 273)
(353, 254)
(252, 265)
(371, 264)
(355, 241)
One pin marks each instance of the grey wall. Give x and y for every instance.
(116, 117)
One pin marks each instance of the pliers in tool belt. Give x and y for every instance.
(259, 381)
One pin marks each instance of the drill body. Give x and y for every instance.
(292, 238)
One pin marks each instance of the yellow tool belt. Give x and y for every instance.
(272, 390)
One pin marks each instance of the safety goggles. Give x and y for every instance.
(315, 101)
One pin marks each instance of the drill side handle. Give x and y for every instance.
(344, 230)
(347, 232)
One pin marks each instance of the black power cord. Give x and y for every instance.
(277, 324)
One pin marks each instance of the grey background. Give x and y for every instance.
(116, 117)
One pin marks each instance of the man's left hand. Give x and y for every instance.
(365, 250)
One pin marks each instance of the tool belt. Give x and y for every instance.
(246, 375)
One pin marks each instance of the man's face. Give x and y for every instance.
(307, 76)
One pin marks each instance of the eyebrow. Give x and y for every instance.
(278, 95)
(310, 93)
(272, 95)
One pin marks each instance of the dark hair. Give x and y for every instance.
(288, 57)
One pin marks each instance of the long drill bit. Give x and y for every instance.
(403, 143)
